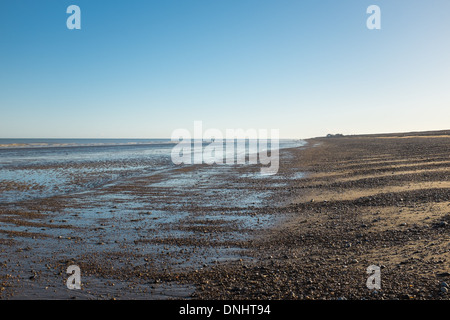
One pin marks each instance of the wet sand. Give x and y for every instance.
(336, 207)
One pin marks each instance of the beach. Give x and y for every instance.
(336, 206)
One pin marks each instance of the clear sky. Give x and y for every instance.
(141, 69)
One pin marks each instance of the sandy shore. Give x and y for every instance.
(366, 200)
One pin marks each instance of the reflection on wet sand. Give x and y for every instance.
(133, 226)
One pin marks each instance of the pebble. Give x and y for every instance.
(443, 274)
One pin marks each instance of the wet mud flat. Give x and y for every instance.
(145, 235)
(336, 207)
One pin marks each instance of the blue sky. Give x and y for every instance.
(141, 69)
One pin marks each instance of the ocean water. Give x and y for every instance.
(36, 168)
